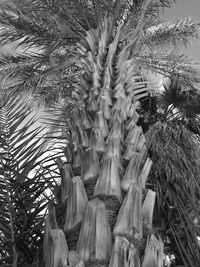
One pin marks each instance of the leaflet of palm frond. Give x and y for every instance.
(135, 84)
(153, 253)
(101, 123)
(145, 172)
(57, 249)
(132, 172)
(85, 119)
(124, 254)
(66, 176)
(129, 220)
(94, 241)
(104, 106)
(97, 140)
(77, 201)
(89, 165)
(148, 208)
(133, 75)
(108, 182)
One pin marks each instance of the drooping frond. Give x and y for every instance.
(26, 172)
(175, 177)
(46, 75)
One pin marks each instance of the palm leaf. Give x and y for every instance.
(47, 26)
(176, 194)
(23, 180)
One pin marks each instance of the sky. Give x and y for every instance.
(186, 9)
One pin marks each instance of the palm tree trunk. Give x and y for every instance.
(108, 218)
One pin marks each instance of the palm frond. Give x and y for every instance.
(25, 176)
(47, 74)
(169, 65)
(176, 194)
(52, 25)
(172, 35)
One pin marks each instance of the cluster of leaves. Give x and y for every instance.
(27, 175)
(179, 100)
(51, 30)
(174, 176)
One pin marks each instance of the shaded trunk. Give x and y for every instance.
(108, 219)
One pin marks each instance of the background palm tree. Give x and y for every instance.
(117, 43)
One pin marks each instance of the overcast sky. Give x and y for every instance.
(185, 9)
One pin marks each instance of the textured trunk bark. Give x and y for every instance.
(108, 219)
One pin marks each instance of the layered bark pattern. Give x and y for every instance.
(111, 225)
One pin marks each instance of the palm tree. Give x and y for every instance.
(27, 174)
(174, 176)
(107, 208)
(170, 120)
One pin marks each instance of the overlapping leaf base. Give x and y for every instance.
(109, 155)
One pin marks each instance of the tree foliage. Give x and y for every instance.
(27, 175)
(51, 29)
(174, 176)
